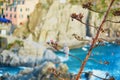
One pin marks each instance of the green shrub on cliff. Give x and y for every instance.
(16, 43)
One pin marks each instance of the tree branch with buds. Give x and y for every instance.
(89, 5)
(94, 41)
(112, 21)
(79, 18)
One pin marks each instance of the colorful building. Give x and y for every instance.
(5, 26)
(20, 10)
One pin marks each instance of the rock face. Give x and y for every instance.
(9, 58)
(47, 66)
(62, 26)
(37, 73)
(51, 21)
(26, 71)
(117, 41)
(54, 23)
(63, 68)
(30, 55)
(50, 56)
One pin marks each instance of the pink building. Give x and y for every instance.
(11, 13)
(19, 11)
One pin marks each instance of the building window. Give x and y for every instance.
(21, 16)
(6, 15)
(15, 16)
(15, 3)
(18, 2)
(27, 9)
(28, 16)
(3, 16)
(23, 2)
(6, 8)
(15, 9)
(21, 10)
(10, 15)
(10, 8)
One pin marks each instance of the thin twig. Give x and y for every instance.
(96, 11)
(57, 49)
(79, 18)
(79, 38)
(88, 24)
(94, 41)
(89, 5)
(76, 56)
(112, 21)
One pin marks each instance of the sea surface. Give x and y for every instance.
(109, 53)
(10, 70)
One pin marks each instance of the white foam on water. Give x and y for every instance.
(82, 79)
(62, 59)
(97, 73)
(84, 49)
(0, 74)
(22, 68)
(1, 71)
(108, 44)
(86, 45)
(88, 38)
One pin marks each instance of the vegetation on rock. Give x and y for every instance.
(17, 43)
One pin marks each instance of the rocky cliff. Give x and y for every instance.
(51, 21)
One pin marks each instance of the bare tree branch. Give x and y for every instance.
(79, 18)
(112, 21)
(88, 24)
(96, 11)
(94, 41)
(89, 5)
(79, 38)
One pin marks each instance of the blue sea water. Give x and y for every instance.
(10, 70)
(109, 52)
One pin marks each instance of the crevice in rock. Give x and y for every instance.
(88, 33)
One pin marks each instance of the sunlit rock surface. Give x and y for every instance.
(63, 67)
(51, 21)
(54, 23)
(38, 73)
(31, 54)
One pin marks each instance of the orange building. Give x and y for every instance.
(19, 10)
